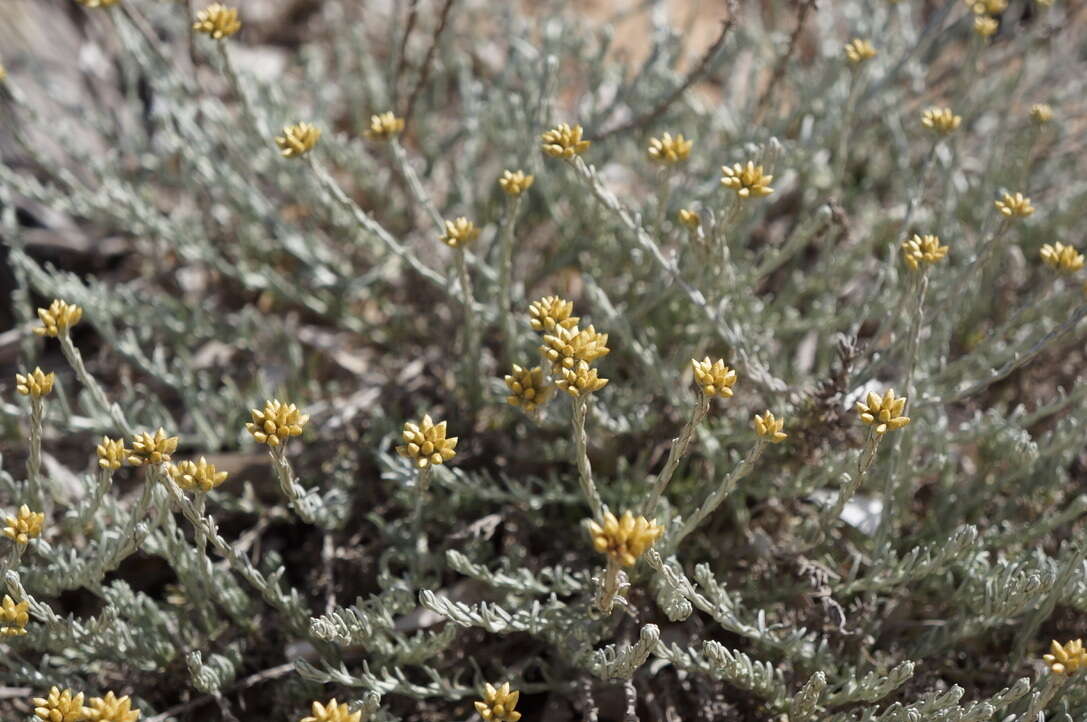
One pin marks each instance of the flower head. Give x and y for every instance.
(985, 26)
(24, 526)
(714, 377)
(196, 475)
(922, 250)
(551, 312)
(112, 708)
(276, 422)
(60, 707)
(148, 448)
(217, 21)
(1067, 658)
(940, 120)
(13, 617)
(528, 388)
(459, 233)
(111, 453)
(332, 712)
(883, 412)
(1041, 113)
(580, 380)
(36, 383)
(515, 182)
(689, 218)
(58, 318)
(626, 538)
(858, 50)
(426, 444)
(384, 126)
(564, 141)
(668, 149)
(770, 428)
(1014, 206)
(1062, 257)
(297, 140)
(566, 346)
(498, 704)
(748, 180)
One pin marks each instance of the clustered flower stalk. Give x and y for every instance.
(274, 425)
(678, 450)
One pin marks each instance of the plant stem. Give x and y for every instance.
(584, 468)
(471, 333)
(259, 134)
(288, 483)
(679, 448)
(34, 458)
(609, 586)
(721, 492)
(75, 360)
(418, 536)
(505, 280)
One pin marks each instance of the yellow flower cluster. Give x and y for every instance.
(111, 453)
(564, 141)
(565, 347)
(987, 7)
(668, 150)
(1068, 658)
(770, 428)
(528, 388)
(384, 126)
(985, 26)
(24, 526)
(60, 707)
(298, 139)
(217, 21)
(459, 233)
(858, 50)
(148, 448)
(1014, 206)
(332, 712)
(58, 318)
(748, 180)
(498, 704)
(940, 120)
(920, 250)
(112, 708)
(515, 182)
(1041, 113)
(276, 422)
(714, 377)
(196, 475)
(883, 412)
(689, 218)
(1062, 257)
(426, 444)
(580, 379)
(551, 312)
(624, 539)
(13, 617)
(35, 383)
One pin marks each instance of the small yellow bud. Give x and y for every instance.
(148, 448)
(276, 422)
(297, 140)
(13, 617)
(426, 444)
(515, 182)
(565, 347)
(498, 704)
(459, 233)
(940, 120)
(1067, 658)
(24, 526)
(714, 377)
(528, 388)
(111, 453)
(580, 380)
(384, 126)
(36, 383)
(60, 707)
(112, 708)
(858, 50)
(1014, 206)
(624, 539)
(217, 21)
(920, 250)
(985, 26)
(748, 180)
(332, 712)
(689, 218)
(564, 141)
(550, 312)
(770, 428)
(883, 412)
(668, 150)
(58, 318)
(987, 7)
(1041, 113)
(196, 475)
(1062, 257)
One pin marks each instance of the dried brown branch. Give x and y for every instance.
(424, 73)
